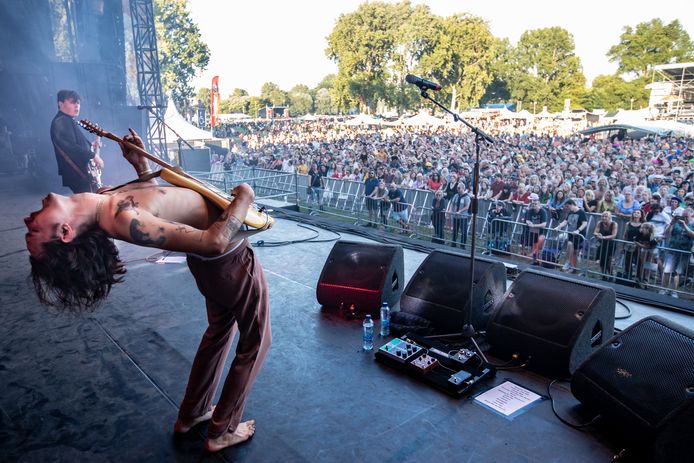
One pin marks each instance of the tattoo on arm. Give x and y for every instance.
(232, 226)
(143, 238)
(127, 204)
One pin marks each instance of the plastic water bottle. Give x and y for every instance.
(368, 337)
(385, 319)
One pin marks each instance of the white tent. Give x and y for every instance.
(423, 118)
(185, 129)
(524, 114)
(363, 119)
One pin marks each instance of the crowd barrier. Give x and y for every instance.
(345, 200)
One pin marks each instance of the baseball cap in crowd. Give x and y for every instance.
(656, 196)
(498, 203)
(534, 197)
(676, 198)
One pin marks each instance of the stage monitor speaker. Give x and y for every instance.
(362, 274)
(439, 290)
(554, 321)
(196, 160)
(642, 380)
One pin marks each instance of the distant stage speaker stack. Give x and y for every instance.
(642, 382)
(439, 291)
(553, 321)
(362, 274)
(196, 160)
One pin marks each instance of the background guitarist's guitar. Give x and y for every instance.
(177, 176)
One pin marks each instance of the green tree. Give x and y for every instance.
(237, 102)
(323, 102)
(204, 95)
(545, 69)
(300, 100)
(649, 44)
(181, 50)
(416, 36)
(461, 58)
(272, 95)
(501, 72)
(362, 44)
(611, 92)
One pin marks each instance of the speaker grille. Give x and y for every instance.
(534, 302)
(649, 367)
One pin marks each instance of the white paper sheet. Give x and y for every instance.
(507, 398)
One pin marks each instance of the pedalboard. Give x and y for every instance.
(454, 371)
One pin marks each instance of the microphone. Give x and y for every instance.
(422, 83)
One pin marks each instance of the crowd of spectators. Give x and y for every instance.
(637, 180)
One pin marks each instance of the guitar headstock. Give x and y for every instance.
(91, 127)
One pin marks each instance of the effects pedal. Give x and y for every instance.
(463, 355)
(401, 350)
(424, 363)
(459, 377)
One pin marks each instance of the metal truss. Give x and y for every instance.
(148, 77)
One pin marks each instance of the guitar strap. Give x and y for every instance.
(74, 166)
(144, 178)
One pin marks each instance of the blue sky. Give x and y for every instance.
(253, 42)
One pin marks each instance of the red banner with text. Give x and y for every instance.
(214, 101)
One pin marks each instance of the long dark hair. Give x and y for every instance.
(77, 275)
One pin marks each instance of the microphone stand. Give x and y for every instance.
(161, 119)
(468, 330)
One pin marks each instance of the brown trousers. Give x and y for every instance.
(236, 297)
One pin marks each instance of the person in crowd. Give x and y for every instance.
(76, 232)
(458, 209)
(556, 205)
(606, 232)
(316, 184)
(545, 195)
(575, 223)
(536, 220)
(680, 239)
(420, 183)
(435, 183)
(626, 206)
(372, 205)
(645, 243)
(497, 186)
(399, 207)
(607, 203)
(631, 232)
(451, 187)
(521, 196)
(674, 204)
(590, 204)
(497, 224)
(79, 161)
(438, 216)
(378, 197)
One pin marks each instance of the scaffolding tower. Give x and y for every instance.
(148, 77)
(672, 91)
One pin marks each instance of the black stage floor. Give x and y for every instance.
(105, 387)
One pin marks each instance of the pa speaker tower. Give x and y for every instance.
(439, 290)
(553, 321)
(643, 381)
(362, 274)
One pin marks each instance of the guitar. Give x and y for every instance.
(177, 176)
(93, 170)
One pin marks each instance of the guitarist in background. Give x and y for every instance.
(79, 162)
(76, 233)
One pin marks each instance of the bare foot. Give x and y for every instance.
(242, 433)
(182, 427)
